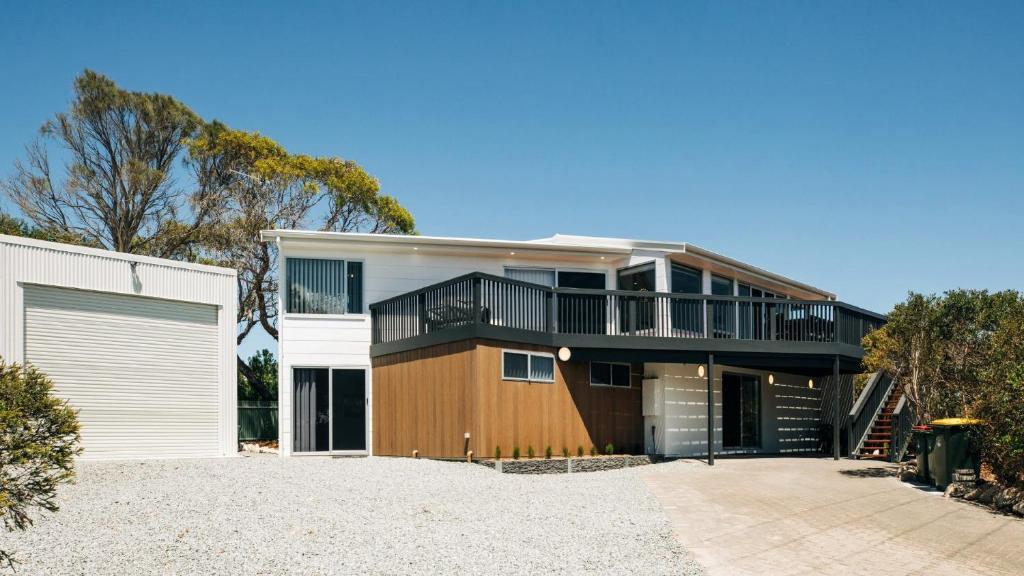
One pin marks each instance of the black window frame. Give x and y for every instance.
(611, 373)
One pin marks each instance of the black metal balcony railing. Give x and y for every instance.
(496, 301)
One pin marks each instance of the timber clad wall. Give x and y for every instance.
(428, 399)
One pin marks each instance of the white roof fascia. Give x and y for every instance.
(102, 253)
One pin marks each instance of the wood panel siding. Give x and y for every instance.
(427, 400)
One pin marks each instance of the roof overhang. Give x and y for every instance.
(557, 244)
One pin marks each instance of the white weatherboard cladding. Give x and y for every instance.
(142, 372)
(152, 285)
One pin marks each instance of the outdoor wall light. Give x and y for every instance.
(810, 383)
(564, 354)
(771, 379)
(700, 370)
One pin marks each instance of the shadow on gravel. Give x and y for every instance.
(873, 472)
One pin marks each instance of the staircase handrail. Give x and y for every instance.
(866, 410)
(903, 420)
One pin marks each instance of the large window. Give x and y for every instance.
(542, 276)
(636, 279)
(724, 313)
(529, 366)
(609, 374)
(687, 315)
(320, 286)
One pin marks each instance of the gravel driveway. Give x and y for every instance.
(268, 515)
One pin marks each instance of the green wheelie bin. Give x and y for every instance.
(952, 449)
(924, 442)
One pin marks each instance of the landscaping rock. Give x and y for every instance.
(1019, 508)
(958, 489)
(989, 493)
(907, 471)
(1007, 498)
(544, 466)
(596, 464)
(973, 494)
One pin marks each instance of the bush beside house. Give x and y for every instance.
(961, 355)
(38, 442)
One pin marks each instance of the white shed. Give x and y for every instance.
(143, 348)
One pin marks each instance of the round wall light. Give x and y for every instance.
(771, 379)
(564, 354)
(700, 370)
(810, 383)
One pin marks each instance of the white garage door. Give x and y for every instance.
(142, 372)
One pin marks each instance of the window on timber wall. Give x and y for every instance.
(321, 286)
(527, 366)
(609, 374)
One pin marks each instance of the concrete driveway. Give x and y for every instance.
(817, 516)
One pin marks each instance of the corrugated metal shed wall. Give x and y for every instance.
(32, 262)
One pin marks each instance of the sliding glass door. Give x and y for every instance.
(348, 409)
(329, 410)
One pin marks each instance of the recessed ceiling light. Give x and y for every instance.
(415, 247)
(602, 257)
(511, 253)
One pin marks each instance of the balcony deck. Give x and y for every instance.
(625, 325)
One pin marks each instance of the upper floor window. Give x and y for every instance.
(721, 286)
(321, 286)
(686, 280)
(542, 276)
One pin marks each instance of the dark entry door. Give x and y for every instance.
(348, 409)
(741, 411)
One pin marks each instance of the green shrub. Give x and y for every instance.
(565, 452)
(547, 452)
(579, 451)
(38, 444)
(593, 450)
(529, 451)
(515, 452)
(609, 449)
(497, 452)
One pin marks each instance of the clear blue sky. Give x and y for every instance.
(869, 148)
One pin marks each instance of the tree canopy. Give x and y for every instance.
(961, 354)
(145, 174)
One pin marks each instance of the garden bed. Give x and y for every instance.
(566, 465)
(1005, 499)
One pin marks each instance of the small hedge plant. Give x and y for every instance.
(565, 452)
(497, 452)
(579, 451)
(547, 453)
(529, 451)
(38, 443)
(593, 450)
(609, 449)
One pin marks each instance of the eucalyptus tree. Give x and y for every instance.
(145, 174)
(115, 188)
